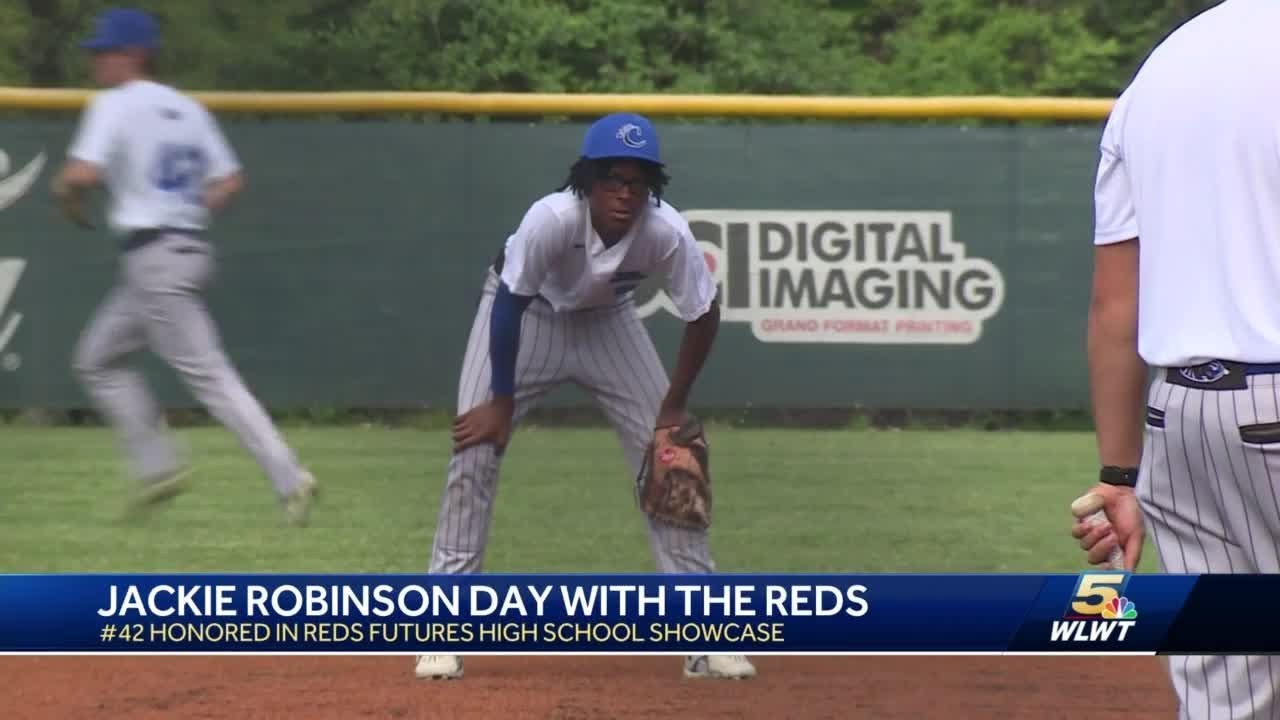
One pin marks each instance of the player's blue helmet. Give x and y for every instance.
(123, 28)
(622, 135)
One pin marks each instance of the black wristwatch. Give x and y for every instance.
(1123, 476)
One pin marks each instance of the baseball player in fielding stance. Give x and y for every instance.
(1187, 284)
(557, 307)
(166, 166)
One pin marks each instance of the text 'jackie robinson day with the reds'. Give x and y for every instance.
(413, 600)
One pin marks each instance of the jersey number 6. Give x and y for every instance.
(180, 169)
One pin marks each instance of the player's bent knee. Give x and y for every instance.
(83, 367)
(86, 363)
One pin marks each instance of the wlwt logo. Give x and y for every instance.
(1098, 610)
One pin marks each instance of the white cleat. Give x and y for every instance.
(438, 667)
(732, 667)
(297, 504)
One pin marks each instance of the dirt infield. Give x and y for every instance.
(568, 688)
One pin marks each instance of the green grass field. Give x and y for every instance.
(786, 500)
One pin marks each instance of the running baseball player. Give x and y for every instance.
(167, 167)
(557, 307)
(1186, 283)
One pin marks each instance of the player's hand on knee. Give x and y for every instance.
(488, 423)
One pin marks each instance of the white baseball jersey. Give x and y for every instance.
(557, 254)
(157, 148)
(1190, 164)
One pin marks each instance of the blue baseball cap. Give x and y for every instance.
(622, 135)
(122, 28)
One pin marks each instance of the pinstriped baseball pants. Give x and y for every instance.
(1209, 496)
(608, 353)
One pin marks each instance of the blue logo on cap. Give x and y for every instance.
(122, 28)
(622, 135)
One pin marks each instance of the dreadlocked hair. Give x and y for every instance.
(586, 171)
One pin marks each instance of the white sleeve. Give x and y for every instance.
(689, 282)
(97, 130)
(222, 159)
(532, 250)
(1115, 216)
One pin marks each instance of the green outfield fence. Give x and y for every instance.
(861, 264)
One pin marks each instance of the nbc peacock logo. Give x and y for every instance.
(1120, 608)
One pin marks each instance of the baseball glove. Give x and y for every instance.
(674, 484)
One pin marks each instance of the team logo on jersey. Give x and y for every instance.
(10, 272)
(844, 276)
(1210, 372)
(632, 136)
(16, 185)
(1097, 610)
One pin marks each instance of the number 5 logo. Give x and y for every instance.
(1105, 587)
(180, 169)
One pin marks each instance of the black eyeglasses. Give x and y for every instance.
(615, 184)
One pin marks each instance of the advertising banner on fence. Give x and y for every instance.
(844, 276)
(1095, 612)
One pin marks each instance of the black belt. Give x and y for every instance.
(146, 236)
(1219, 374)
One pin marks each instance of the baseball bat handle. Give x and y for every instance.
(1089, 508)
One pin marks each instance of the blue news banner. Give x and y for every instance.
(1094, 612)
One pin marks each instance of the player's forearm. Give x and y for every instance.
(504, 340)
(699, 336)
(220, 192)
(1117, 378)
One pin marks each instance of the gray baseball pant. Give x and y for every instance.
(1208, 488)
(608, 353)
(158, 304)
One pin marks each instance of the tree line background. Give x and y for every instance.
(845, 47)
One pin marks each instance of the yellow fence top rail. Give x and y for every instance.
(836, 107)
